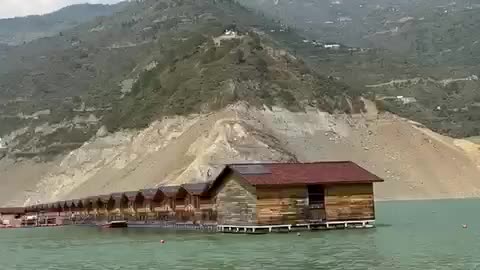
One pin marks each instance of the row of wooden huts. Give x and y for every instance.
(254, 194)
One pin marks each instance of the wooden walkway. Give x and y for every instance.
(353, 224)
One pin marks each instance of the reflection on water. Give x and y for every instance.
(410, 235)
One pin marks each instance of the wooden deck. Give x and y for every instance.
(353, 224)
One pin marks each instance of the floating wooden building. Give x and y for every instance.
(243, 197)
(322, 193)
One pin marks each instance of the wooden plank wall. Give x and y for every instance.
(281, 205)
(236, 203)
(349, 202)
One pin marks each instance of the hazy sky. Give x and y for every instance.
(15, 8)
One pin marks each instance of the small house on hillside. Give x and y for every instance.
(294, 193)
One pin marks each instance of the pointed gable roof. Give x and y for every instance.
(170, 191)
(105, 198)
(152, 193)
(197, 188)
(132, 195)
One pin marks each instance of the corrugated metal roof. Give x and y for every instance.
(197, 188)
(338, 172)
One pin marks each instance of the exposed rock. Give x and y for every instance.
(184, 149)
(102, 132)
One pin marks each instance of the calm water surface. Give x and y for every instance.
(410, 235)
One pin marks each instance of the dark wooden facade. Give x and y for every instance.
(172, 197)
(117, 210)
(150, 204)
(242, 195)
(235, 200)
(134, 201)
(248, 196)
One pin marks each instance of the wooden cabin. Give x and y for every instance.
(159, 204)
(134, 201)
(170, 202)
(151, 202)
(98, 208)
(198, 203)
(120, 203)
(67, 207)
(294, 193)
(88, 210)
(78, 207)
(108, 204)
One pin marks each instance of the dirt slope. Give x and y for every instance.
(416, 162)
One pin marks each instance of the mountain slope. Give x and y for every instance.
(415, 162)
(431, 46)
(18, 30)
(144, 63)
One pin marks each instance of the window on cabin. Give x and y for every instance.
(196, 201)
(316, 197)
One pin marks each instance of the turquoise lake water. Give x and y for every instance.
(409, 235)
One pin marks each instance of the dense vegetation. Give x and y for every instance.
(166, 50)
(435, 40)
(25, 29)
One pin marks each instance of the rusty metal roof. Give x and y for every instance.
(334, 172)
(197, 188)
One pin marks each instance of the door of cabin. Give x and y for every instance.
(316, 203)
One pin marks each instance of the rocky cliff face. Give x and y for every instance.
(416, 162)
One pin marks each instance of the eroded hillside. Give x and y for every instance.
(416, 162)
